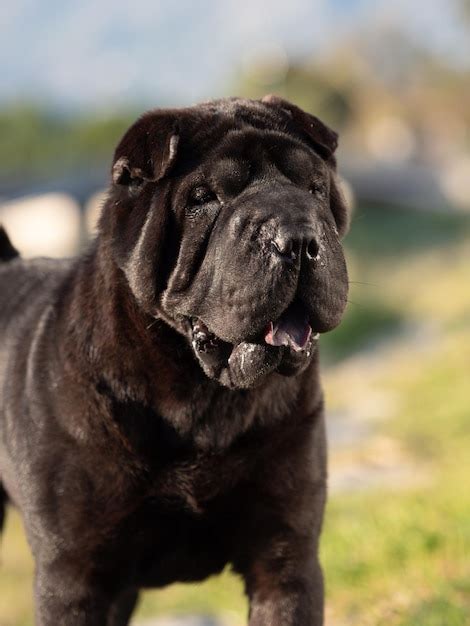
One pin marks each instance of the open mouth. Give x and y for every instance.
(292, 330)
(285, 346)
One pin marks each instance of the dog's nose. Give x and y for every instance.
(289, 248)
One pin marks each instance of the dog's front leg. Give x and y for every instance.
(68, 598)
(278, 559)
(286, 594)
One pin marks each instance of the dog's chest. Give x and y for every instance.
(184, 528)
(199, 483)
(168, 544)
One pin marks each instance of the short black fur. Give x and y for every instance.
(161, 414)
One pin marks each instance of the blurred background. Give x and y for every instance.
(394, 79)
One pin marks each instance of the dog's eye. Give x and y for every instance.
(318, 190)
(201, 195)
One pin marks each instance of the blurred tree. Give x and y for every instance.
(40, 144)
(307, 85)
(464, 6)
(378, 80)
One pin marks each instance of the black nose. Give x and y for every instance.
(289, 248)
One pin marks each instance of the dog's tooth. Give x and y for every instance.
(200, 327)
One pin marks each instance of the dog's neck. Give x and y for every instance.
(136, 356)
(135, 359)
(111, 321)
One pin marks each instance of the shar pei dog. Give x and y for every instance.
(161, 414)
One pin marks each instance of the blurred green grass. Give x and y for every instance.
(402, 557)
(394, 556)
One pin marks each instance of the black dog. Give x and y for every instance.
(160, 408)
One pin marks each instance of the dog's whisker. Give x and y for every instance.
(358, 282)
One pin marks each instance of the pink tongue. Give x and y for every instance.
(291, 329)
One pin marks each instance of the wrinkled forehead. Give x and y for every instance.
(258, 147)
(261, 152)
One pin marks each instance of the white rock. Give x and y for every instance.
(45, 225)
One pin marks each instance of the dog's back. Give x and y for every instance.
(27, 288)
(24, 284)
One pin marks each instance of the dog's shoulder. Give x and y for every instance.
(26, 283)
(38, 274)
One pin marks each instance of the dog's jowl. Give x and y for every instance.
(161, 415)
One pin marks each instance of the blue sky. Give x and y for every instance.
(103, 53)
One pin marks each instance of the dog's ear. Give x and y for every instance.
(323, 138)
(148, 149)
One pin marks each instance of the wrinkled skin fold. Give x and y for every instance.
(258, 188)
(161, 413)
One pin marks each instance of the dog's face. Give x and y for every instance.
(226, 221)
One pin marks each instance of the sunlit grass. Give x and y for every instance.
(16, 573)
(402, 557)
(221, 595)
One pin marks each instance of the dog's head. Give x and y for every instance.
(226, 220)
